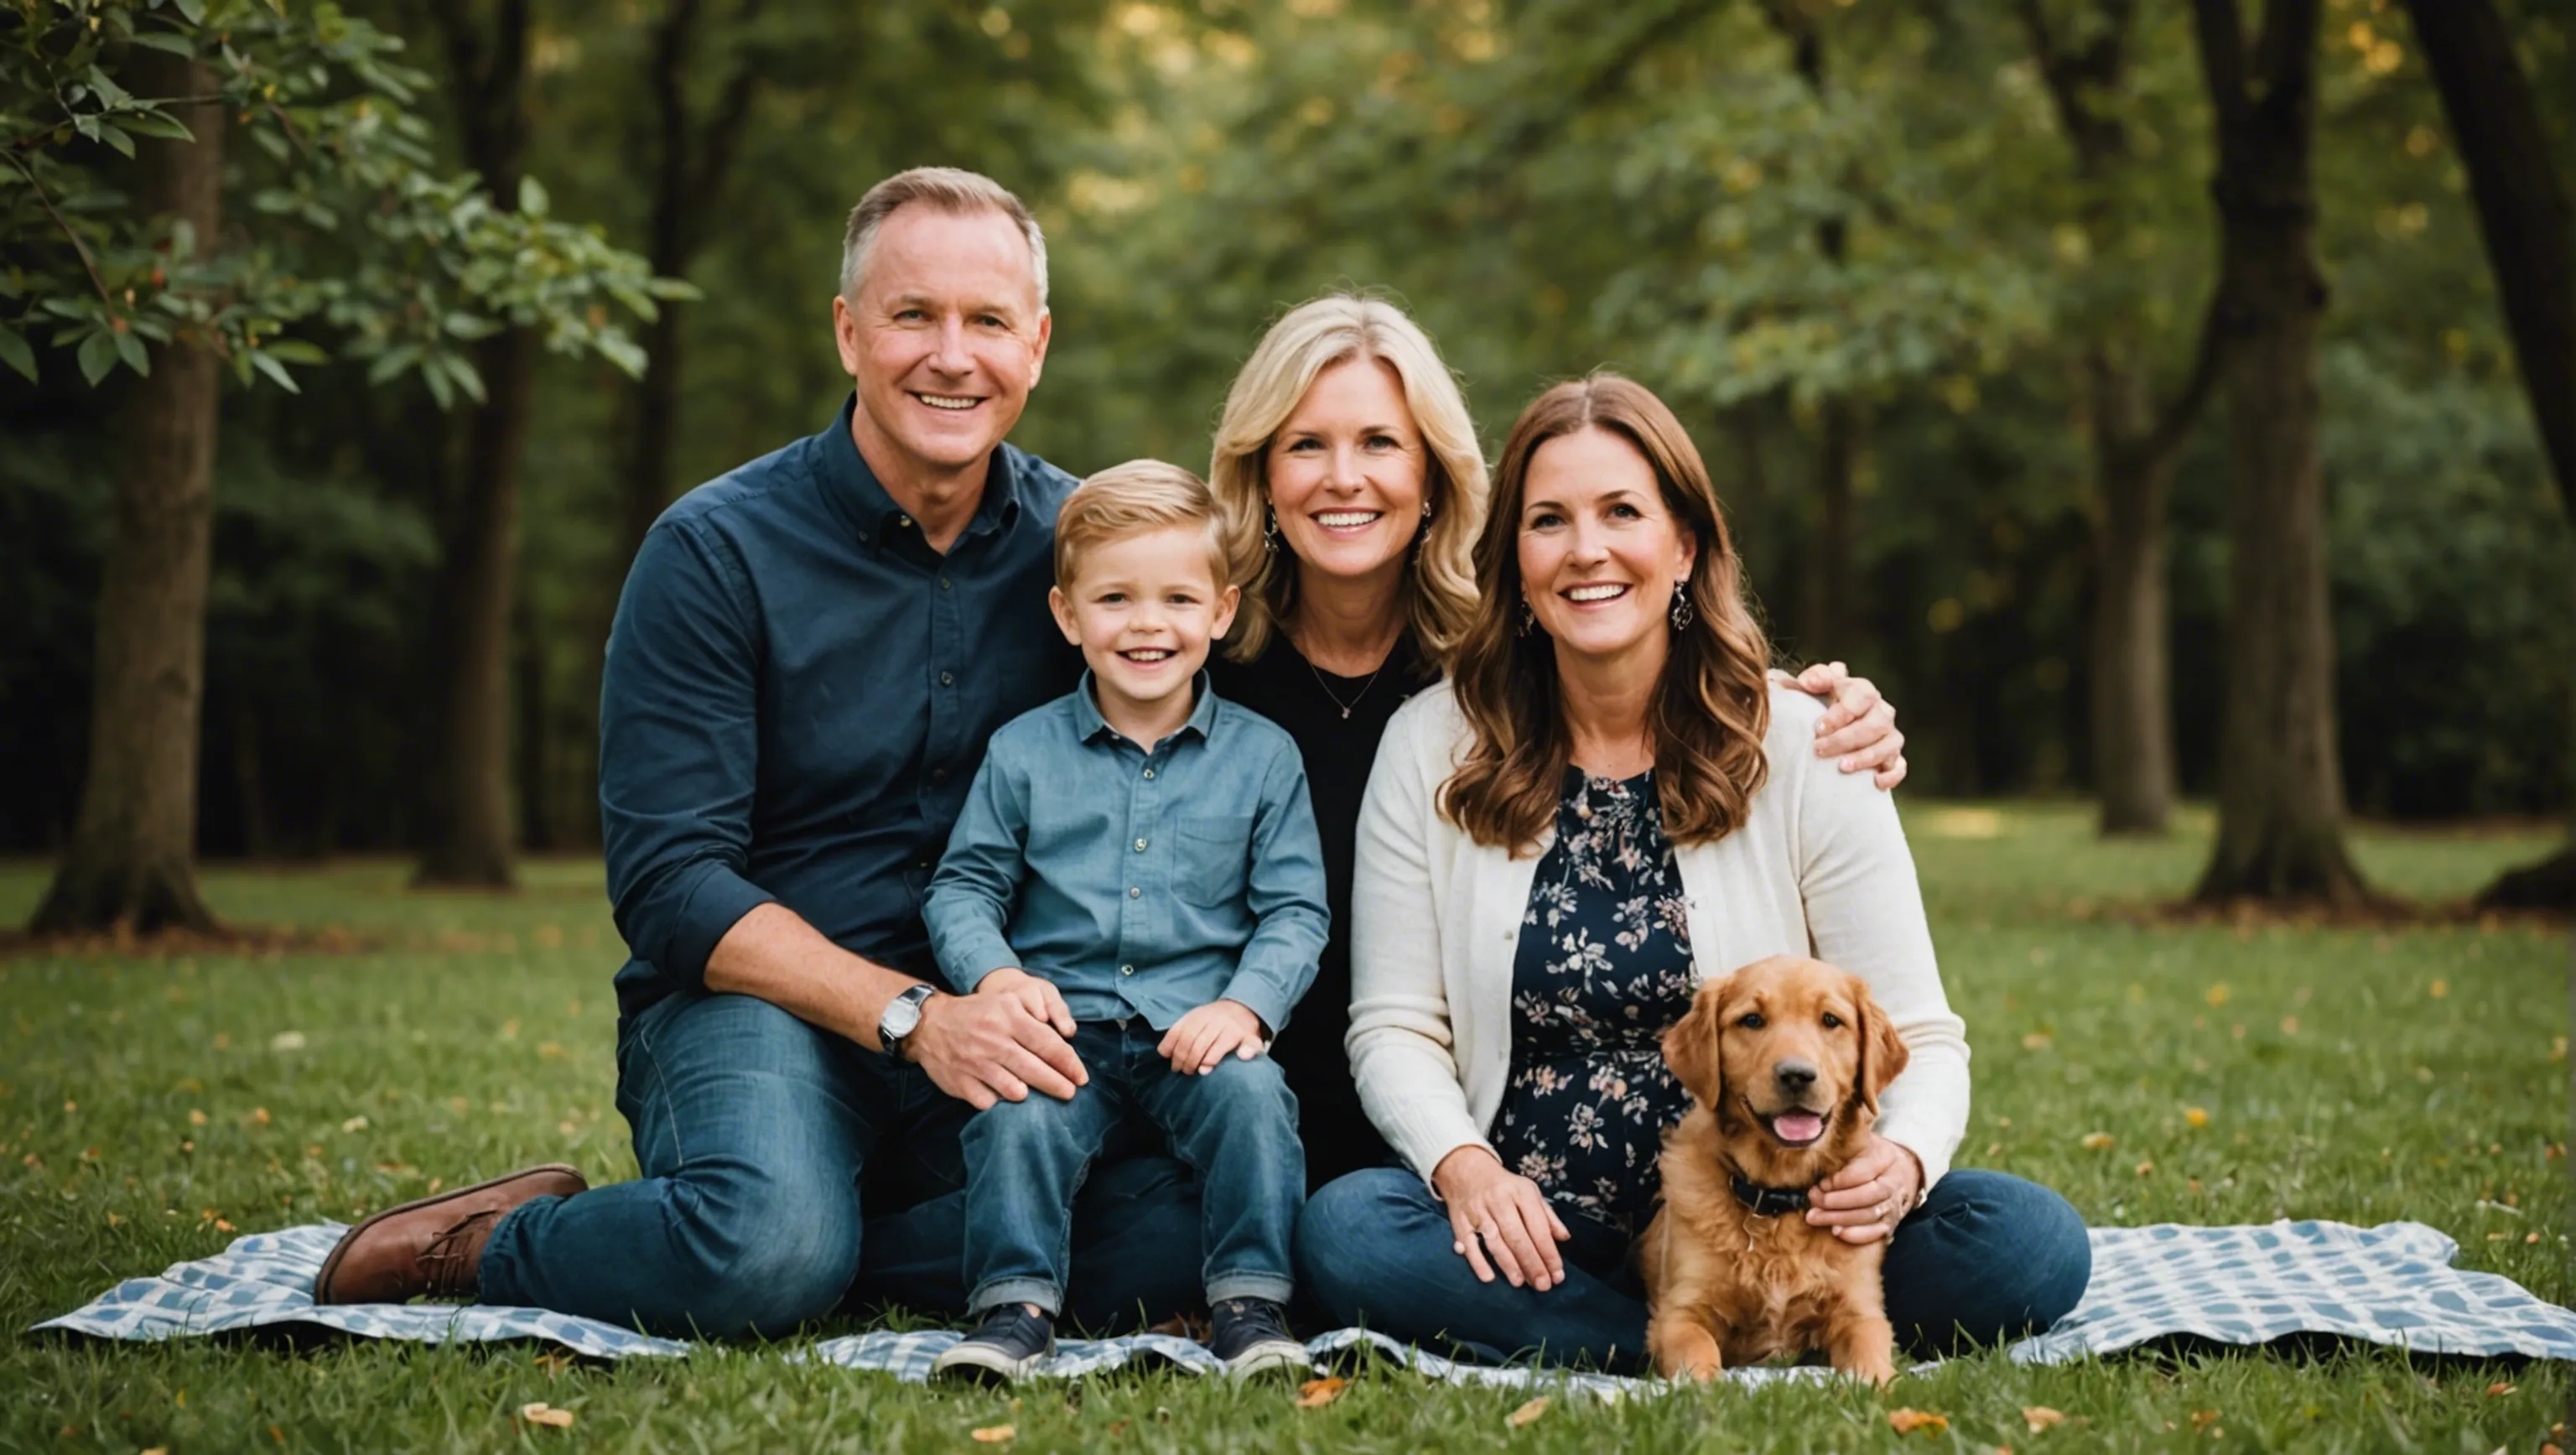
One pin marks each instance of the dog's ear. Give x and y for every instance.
(1882, 1052)
(1691, 1046)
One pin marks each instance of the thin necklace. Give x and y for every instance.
(1327, 689)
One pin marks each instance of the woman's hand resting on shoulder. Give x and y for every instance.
(1872, 1194)
(1860, 726)
(1500, 1220)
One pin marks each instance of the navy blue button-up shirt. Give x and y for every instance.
(1141, 883)
(798, 693)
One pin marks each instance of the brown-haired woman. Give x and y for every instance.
(1606, 803)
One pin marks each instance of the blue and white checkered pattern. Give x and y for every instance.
(2392, 1284)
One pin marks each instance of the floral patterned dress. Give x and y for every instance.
(1604, 968)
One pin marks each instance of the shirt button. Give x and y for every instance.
(938, 775)
(1149, 772)
(903, 520)
(1134, 891)
(943, 583)
(1140, 846)
(947, 679)
(1126, 969)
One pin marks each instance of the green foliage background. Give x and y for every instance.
(1550, 186)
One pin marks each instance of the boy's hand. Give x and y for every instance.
(1038, 997)
(1199, 1040)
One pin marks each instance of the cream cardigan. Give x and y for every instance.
(1820, 868)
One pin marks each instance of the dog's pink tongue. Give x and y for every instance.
(1798, 1126)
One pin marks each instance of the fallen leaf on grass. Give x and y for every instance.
(2039, 1417)
(994, 1434)
(196, 1118)
(1526, 1413)
(1314, 1394)
(545, 1414)
(286, 1041)
(2099, 1141)
(2202, 1420)
(2147, 1168)
(2499, 1389)
(1906, 1422)
(355, 1124)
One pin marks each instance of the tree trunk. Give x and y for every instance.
(132, 858)
(469, 783)
(468, 811)
(2133, 746)
(2281, 805)
(2529, 227)
(1828, 610)
(532, 743)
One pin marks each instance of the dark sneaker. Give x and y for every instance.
(1252, 1338)
(1010, 1342)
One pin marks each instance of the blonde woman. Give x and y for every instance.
(1608, 803)
(1354, 492)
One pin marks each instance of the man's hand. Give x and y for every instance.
(999, 1044)
(1199, 1040)
(1872, 1194)
(1860, 726)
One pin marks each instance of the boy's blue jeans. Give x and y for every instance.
(1236, 1127)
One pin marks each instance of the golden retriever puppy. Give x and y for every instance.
(1786, 1059)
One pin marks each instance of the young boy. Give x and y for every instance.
(1138, 863)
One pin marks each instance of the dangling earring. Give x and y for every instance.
(1270, 532)
(1529, 618)
(1683, 616)
(1422, 535)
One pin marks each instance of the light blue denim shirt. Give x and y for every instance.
(1140, 883)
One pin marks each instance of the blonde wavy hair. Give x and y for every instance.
(1712, 708)
(1440, 585)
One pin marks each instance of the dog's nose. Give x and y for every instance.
(1794, 1075)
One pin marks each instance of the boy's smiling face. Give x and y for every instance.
(1143, 608)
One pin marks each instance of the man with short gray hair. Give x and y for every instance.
(807, 659)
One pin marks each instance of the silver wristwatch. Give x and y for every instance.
(902, 1017)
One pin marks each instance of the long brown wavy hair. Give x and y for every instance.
(1710, 711)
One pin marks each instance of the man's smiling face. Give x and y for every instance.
(945, 339)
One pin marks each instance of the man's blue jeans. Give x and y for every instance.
(1236, 1127)
(1988, 1257)
(786, 1170)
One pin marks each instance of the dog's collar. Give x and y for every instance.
(1765, 1201)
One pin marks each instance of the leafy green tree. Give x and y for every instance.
(2085, 56)
(2281, 792)
(2529, 227)
(360, 246)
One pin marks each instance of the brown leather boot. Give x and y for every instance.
(432, 1247)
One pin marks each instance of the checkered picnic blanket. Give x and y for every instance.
(2392, 1284)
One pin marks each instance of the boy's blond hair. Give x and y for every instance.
(1129, 500)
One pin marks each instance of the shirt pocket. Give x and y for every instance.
(1212, 859)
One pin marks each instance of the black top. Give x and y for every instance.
(1337, 722)
(1604, 969)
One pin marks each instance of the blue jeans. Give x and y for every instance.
(1989, 1257)
(786, 1171)
(1236, 1127)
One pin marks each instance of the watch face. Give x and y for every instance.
(901, 1016)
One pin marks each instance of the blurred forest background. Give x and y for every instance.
(1931, 280)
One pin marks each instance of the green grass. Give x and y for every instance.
(2356, 1074)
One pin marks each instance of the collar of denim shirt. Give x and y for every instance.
(862, 500)
(1089, 725)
